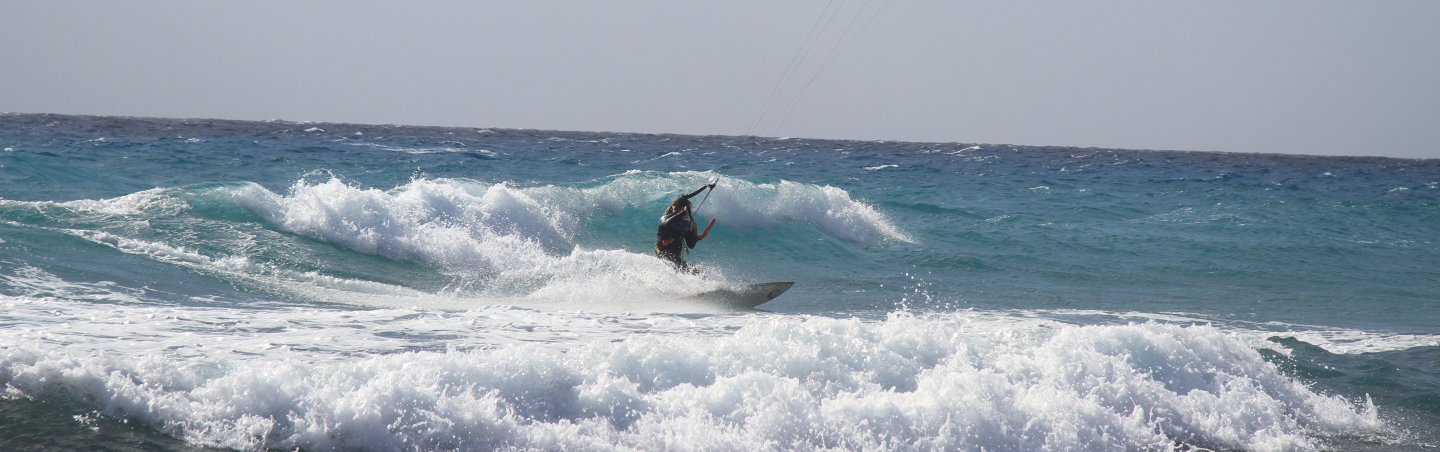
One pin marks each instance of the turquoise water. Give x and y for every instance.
(179, 284)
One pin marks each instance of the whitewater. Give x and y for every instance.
(196, 284)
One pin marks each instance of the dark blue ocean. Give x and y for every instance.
(195, 284)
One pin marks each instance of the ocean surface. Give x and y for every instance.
(198, 284)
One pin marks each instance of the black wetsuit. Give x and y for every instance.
(676, 233)
(673, 237)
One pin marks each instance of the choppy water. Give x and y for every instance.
(182, 284)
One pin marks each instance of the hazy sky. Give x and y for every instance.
(1293, 76)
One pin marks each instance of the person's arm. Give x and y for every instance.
(697, 191)
(690, 236)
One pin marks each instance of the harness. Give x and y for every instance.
(670, 232)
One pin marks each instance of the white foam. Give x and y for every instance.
(155, 200)
(516, 378)
(448, 223)
(158, 251)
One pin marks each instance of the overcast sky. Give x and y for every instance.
(1294, 76)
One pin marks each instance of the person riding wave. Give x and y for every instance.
(678, 228)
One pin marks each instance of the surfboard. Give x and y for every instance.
(746, 297)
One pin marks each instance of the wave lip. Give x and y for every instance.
(447, 223)
(738, 203)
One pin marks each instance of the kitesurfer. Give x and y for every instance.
(678, 228)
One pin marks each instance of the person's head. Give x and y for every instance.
(678, 205)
